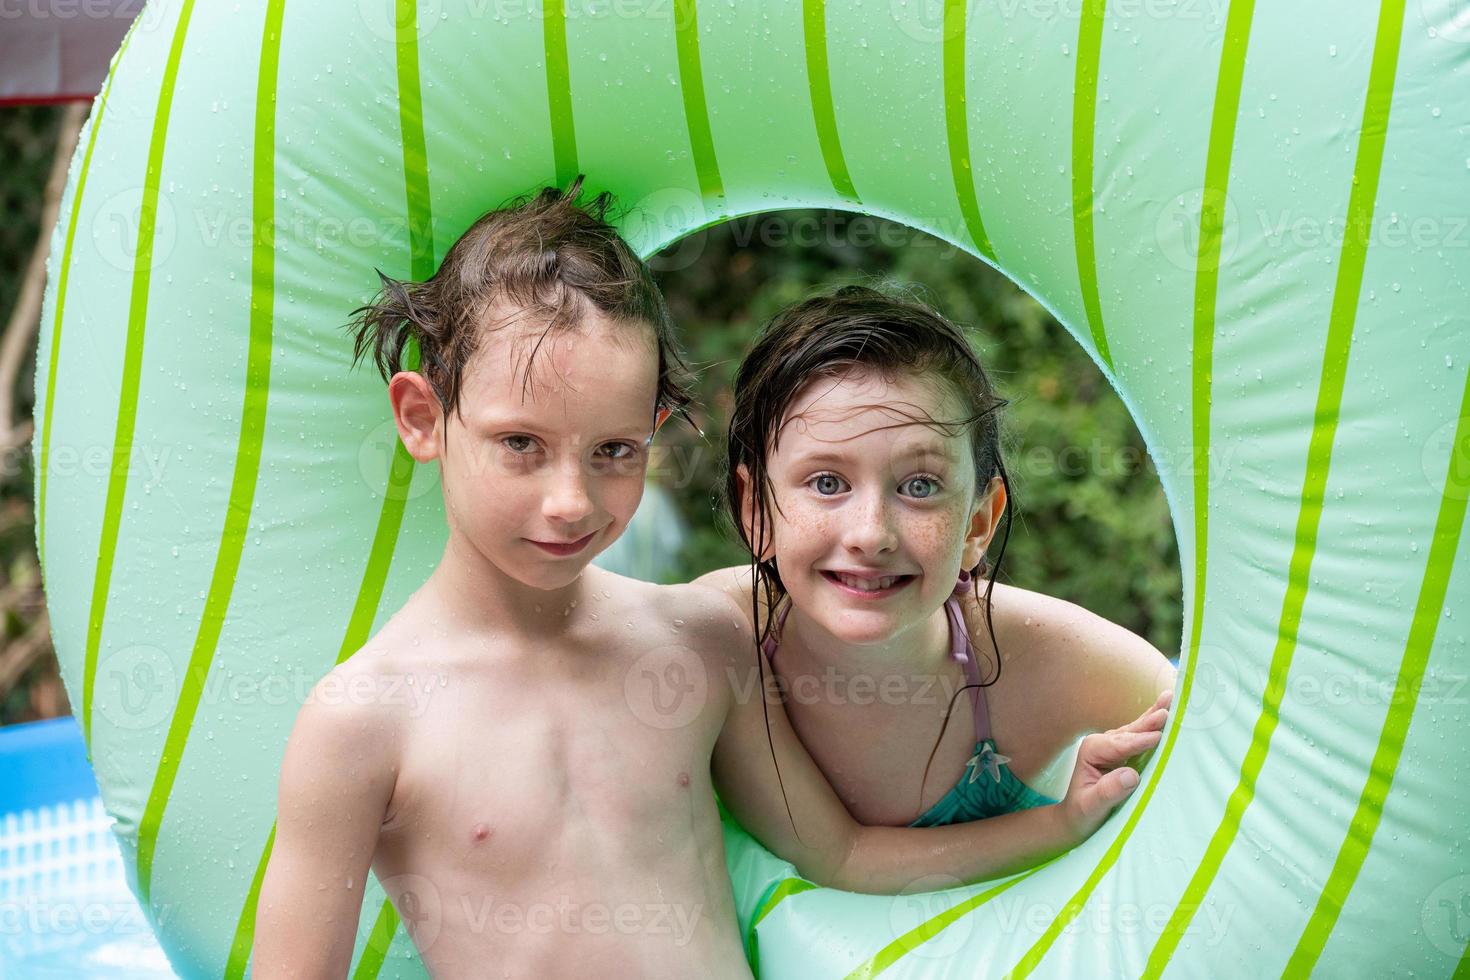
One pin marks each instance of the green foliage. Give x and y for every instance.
(1091, 522)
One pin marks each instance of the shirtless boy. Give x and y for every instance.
(552, 810)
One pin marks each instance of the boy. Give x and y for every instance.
(553, 810)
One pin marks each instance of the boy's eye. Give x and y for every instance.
(519, 444)
(921, 486)
(826, 484)
(617, 450)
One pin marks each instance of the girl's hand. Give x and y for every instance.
(1103, 778)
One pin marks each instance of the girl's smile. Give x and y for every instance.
(873, 501)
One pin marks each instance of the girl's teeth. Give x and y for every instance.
(867, 584)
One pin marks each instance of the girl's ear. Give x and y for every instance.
(984, 520)
(746, 507)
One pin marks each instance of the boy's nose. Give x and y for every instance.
(567, 499)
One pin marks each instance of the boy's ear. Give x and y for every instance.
(984, 520)
(416, 413)
(659, 418)
(746, 507)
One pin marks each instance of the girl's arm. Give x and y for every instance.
(828, 847)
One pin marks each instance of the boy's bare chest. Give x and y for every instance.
(517, 771)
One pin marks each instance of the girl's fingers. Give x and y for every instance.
(1150, 721)
(1111, 749)
(1115, 787)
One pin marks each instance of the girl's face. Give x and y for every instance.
(877, 513)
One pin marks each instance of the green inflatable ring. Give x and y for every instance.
(1243, 214)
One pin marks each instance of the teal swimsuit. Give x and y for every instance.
(987, 787)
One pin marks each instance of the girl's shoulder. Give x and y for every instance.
(1104, 672)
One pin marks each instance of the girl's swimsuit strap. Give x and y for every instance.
(959, 649)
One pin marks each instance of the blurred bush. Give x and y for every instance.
(1091, 522)
(30, 685)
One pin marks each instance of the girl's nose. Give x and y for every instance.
(869, 529)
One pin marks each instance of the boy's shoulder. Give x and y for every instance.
(696, 610)
(378, 683)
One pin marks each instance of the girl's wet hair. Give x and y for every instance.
(545, 257)
(827, 336)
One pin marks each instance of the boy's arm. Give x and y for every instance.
(336, 782)
(832, 849)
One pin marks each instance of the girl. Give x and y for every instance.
(864, 474)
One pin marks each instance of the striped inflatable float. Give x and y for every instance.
(1253, 218)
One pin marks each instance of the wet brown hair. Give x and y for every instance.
(545, 255)
(826, 336)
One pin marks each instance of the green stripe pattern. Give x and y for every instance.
(558, 90)
(928, 929)
(400, 473)
(1319, 460)
(127, 407)
(1405, 698)
(819, 80)
(247, 452)
(1217, 173)
(957, 126)
(696, 111)
(63, 274)
(1084, 132)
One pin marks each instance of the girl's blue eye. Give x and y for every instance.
(920, 487)
(826, 484)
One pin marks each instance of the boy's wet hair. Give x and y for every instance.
(826, 336)
(544, 256)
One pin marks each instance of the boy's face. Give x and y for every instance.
(544, 465)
